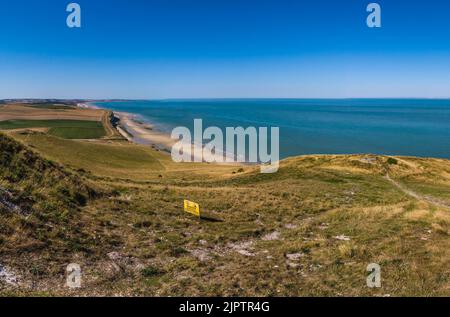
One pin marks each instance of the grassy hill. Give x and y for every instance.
(121, 160)
(40, 204)
(310, 229)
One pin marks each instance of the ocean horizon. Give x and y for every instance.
(405, 127)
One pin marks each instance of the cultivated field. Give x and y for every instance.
(48, 112)
(66, 129)
(64, 121)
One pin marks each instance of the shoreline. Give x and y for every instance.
(135, 130)
(138, 130)
(142, 132)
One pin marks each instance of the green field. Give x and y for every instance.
(118, 160)
(66, 129)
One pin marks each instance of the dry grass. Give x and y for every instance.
(310, 229)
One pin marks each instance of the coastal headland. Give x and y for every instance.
(74, 190)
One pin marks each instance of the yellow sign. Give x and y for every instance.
(192, 208)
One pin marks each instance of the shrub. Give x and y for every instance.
(151, 271)
(392, 161)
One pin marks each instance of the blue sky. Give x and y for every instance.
(224, 48)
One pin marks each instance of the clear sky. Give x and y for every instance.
(152, 49)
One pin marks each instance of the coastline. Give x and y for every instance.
(140, 131)
(135, 130)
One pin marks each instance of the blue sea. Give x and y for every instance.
(411, 127)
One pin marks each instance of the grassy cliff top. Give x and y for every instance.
(310, 229)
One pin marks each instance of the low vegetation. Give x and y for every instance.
(115, 208)
(40, 205)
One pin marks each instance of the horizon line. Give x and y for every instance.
(224, 98)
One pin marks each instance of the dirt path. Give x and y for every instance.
(413, 194)
(106, 121)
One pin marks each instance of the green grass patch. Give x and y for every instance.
(151, 271)
(77, 133)
(103, 159)
(66, 129)
(392, 161)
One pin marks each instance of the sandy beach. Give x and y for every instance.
(144, 133)
(136, 131)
